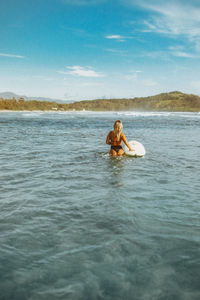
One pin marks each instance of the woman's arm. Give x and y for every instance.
(126, 142)
(108, 139)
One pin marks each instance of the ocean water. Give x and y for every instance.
(76, 223)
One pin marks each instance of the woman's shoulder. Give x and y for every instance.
(122, 136)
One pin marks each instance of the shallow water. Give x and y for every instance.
(78, 224)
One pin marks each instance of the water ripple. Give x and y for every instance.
(77, 224)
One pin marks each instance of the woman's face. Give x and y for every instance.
(118, 127)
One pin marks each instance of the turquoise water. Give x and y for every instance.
(78, 224)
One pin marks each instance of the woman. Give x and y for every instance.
(115, 138)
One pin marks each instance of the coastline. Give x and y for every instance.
(164, 102)
(103, 111)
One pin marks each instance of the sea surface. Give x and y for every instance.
(77, 224)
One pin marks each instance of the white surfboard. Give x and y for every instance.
(138, 149)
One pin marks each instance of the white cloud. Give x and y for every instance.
(80, 71)
(179, 52)
(183, 54)
(116, 37)
(172, 17)
(11, 55)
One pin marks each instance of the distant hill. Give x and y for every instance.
(173, 101)
(10, 95)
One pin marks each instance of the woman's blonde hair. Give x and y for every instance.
(118, 134)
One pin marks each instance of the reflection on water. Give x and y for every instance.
(115, 166)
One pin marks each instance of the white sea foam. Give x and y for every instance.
(159, 114)
(107, 113)
(32, 114)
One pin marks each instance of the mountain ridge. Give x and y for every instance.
(171, 101)
(11, 95)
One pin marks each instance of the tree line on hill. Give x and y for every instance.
(173, 101)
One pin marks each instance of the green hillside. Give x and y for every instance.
(173, 101)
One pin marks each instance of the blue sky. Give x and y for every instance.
(87, 49)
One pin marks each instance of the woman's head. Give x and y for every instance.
(118, 126)
(117, 129)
